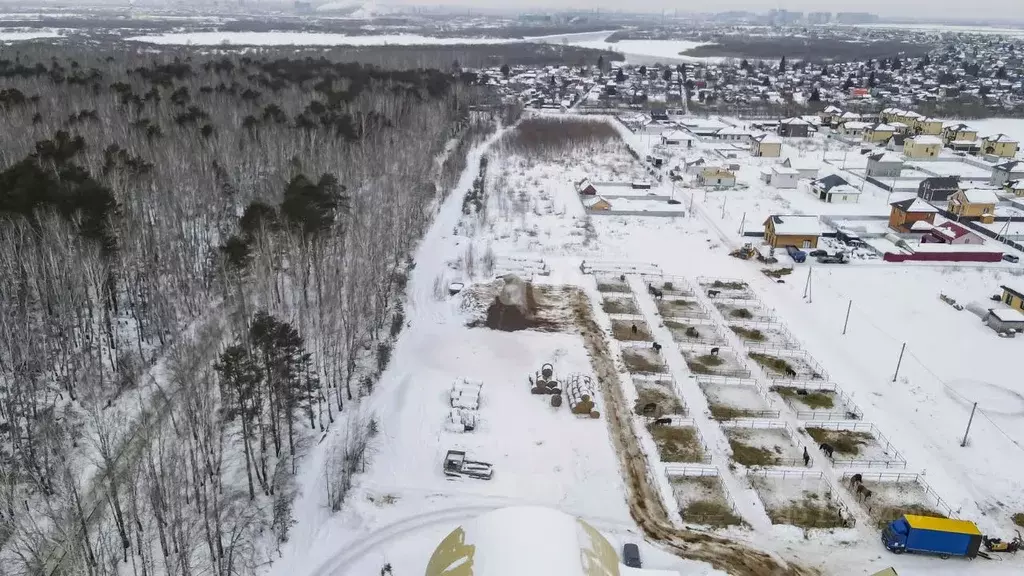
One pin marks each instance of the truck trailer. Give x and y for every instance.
(926, 535)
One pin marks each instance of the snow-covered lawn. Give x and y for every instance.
(955, 169)
(800, 499)
(702, 362)
(16, 35)
(702, 500)
(736, 400)
(757, 447)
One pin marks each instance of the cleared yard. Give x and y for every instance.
(731, 401)
(725, 363)
(702, 500)
(763, 447)
(681, 308)
(619, 305)
(750, 312)
(694, 332)
(773, 335)
(804, 501)
(644, 360)
(660, 394)
(678, 443)
(635, 330)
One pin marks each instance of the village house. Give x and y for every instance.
(694, 166)
(900, 128)
(585, 187)
(958, 132)
(920, 147)
(889, 115)
(1013, 298)
(677, 138)
(833, 189)
(879, 133)
(905, 213)
(1004, 320)
(732, 134)
(715, 176)
(1006, 172)
(999, 145)
(794, 128)
(806, 168)
(896, 142)
(853, 128)
(884, 165)
(938, 188)
(791, 230)
(951, 233)
(766, 146)
(829, 115)
(974, 203)
(928, 126)
(1015, 187)
(781, 177)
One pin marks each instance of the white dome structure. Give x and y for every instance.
(525, 540)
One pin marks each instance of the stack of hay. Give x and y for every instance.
(580, 392)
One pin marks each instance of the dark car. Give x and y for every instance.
(817, 253)
(1011, 258)
(631, 556)
(837, 258)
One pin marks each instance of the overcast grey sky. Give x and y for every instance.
(964, 9)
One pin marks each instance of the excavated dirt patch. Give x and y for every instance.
(510, 304)
(643, 497)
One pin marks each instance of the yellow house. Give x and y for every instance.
(792, 230)
(879, 133)
(716, 176)
(999, 145)
(766, 146)
(928, 126)
(925, 146)
(910, 119)
(974, 203)
(958, 132)
(890, 114)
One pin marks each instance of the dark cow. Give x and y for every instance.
(662, 421)
(827, 449)
(658, 294)
(714, 351)
(713, 293)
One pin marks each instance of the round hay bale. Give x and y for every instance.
(595, 414)
(556, 401)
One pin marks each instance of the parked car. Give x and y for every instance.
(1011, 258)
(631, 555)
(817, 253)
(796, 254)
(849, 238)
(837, 258)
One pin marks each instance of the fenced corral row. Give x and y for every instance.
(701, 495)
(743, 310)
(897, 493)
(759, 443)
(785, 367)
(682, 308)
(619, 267)
(768, 335)
(802, 498)
(699, 331)
(862, 454)
(706, 360)
(737, 398)
(727, 287)
(817, 401)
(679, 444)
(669, 285)
(620, 304)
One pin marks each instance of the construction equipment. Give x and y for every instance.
(999, 545)
(544, 381)
(456, 465)
(744, 253)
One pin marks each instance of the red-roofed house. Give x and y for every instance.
(951, 233)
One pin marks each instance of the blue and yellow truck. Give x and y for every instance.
(926, 535)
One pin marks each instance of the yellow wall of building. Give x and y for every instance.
(1001, 149)
(1012, 301)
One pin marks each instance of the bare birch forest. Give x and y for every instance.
(201, 267)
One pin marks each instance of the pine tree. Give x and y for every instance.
(505, 71)
(782, 65)
(815, 96)
(620, 76)
(240, 380)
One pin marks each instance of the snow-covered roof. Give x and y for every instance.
(884, 128)
(732, 130)
(1009, 166)
(768, 139)
(785, 170)
(953, 230)
(591, 201)
(832, 110)
(850, 115)
(921, 226)
(915, 205)
(792, 225)
(803, 163)
(886, 158)
(676, 135)
(795, 122)
(845, 189)
(980, 196)
(926, 140)
(898, 125)
(1007, 314)
(1001, 138)
(855, 125)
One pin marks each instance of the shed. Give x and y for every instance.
(806, 168)
(1005, 319)
(840, 194)
(782, 177)
(792, 230)
(794, 128)
(585, 187)
(1007, 171)
(766, 146)
(938, 188)
(596, 203)
(926, 146)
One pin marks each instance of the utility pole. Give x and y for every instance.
(969, 421)
(847, 321)
(743, 221)
(724, 200)
(807, 285)
(900, 361)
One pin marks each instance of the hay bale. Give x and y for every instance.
(579, 391)
(556, 401)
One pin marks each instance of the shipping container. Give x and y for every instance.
(926, 535)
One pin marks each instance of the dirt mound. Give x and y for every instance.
(519, 305)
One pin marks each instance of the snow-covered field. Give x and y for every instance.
(16, 35)
(402, 505)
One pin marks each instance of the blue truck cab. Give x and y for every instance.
(926, 535)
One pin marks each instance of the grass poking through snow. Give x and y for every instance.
(752, 334)
(846, 442)
(773, 363)
(813, 399)
(677, 444)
